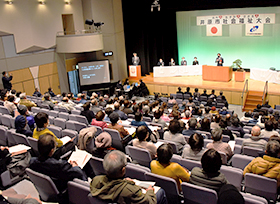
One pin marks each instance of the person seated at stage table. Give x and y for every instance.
(183, 62)
(219, 60)
(195, 62)
(196, 94)
(180, 90)
(160, 62)
(172, 62)
(188, 91)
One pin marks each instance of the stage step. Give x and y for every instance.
(252, 100)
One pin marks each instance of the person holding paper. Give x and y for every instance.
(135, 59)
(172, 62)
(219, 60)
(195, 62)
(184, 61)
(160, 62)
(60, 170)
(113, 187)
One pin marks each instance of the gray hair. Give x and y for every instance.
(192, 122)
(113, 164)
(22, 96)
(256, 131)
(273, 148)
(217, 134)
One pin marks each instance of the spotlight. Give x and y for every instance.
(42, 2)
(89, 22)
(9, 2)
(155, 4)
(67, 2)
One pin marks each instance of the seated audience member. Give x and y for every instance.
(196, 94)
(212, 95)
(196, 111)
(236, 127)
(164, 167)
(98, 121)
(138, 120)
(187, 115)
(183, 107)
(108, 111)
(117, 110)
(214, 110)
(79, 97)
(114, 118)
(224, 101)
(180, 90)
(205, 125)
(258, 109)
(175, 136)
(255, 140)
(223, 111)
(190, 102)
(192, 127)
(110, 104)
(83, 99)
(59, 170)
(196, 150)
(94, 106)
(48, 101)
(209, 102)
(20, 124)
(52, 94)
(215, 123)
(146, 112)
(102, 102)
(113, 187)
(22, 110)
(87, 112)
(230, 194)
(127, 107)
(225, 131)
(66, 103)
(172, 100)
(17, 98)
(37, 93)
(247, 117)
(209, 176)
(218, 145)
(268, 165)
(142, 135)
(266, 105)
(207, 113)
(255, 119)
(268, 131)
(10, 105)
(204, 93)
(202, 109)
(220, 96)
(188, 91)
(157, 118)
(25, 101)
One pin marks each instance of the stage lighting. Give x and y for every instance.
(9, 2)
(42, 2)
(155, 4)
(89, 22)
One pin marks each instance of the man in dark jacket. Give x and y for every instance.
(7, 81)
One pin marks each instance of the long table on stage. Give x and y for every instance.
(216, 73)
(169, 71)
(265, 75)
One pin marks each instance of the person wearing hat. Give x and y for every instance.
(103, 144)
(114, 118)
(20, 124)
(255, 139)
(213, 110)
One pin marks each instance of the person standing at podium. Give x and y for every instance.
(172, 62)
(219, 60)
(135, 59)
(195, 62)
(160, 62)
(183, 62)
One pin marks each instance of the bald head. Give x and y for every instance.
(256, 131)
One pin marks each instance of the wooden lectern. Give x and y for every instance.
(135, 71)
(216, 73)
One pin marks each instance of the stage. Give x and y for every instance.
(232, 90)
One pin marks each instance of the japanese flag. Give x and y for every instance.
(214, 30)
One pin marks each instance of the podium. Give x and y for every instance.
(216, 73)
(135, 71)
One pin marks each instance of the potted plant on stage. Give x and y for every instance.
(239, 74)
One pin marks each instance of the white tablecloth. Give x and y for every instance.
(265, 75)
(168, 71)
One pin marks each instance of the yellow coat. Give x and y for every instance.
(37, 134)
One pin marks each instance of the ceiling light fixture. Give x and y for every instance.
(42, 2)
(67, 2)
(9, 2)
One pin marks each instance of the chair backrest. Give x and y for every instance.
(3, 135)
(62, 109)
(116, 139)
(142, 156)
(63, 115)
(225, 138)
(135, 171)
(99, 130)
(179, 100)
(220, 105)
(253, 199)
(70, 133)
(46, 106)
(53, 113)
(78, 193)
(5, 119)
(97, 165)
(44, 185)
(233, 175)
(237, 149)
(173, 144)
(224, 157)
(11, 140)
(206, 141)
(239, 140)
(190, 164)
(20, 138)
(35, 110)
(82, 119)
(4, 110)
(236, 133)
(251, 151)
(131, 116)
(176, 158)
(74, 125)
(33, 143)
(179, 95)
(95, 200)
(169, 185)
(261, 186)
(44, 110)
(203, 98)
(56, 130)
(147, 119)
(197, 194)
(76, 112)
(241, 161)
(60, 122)
(51, 120)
